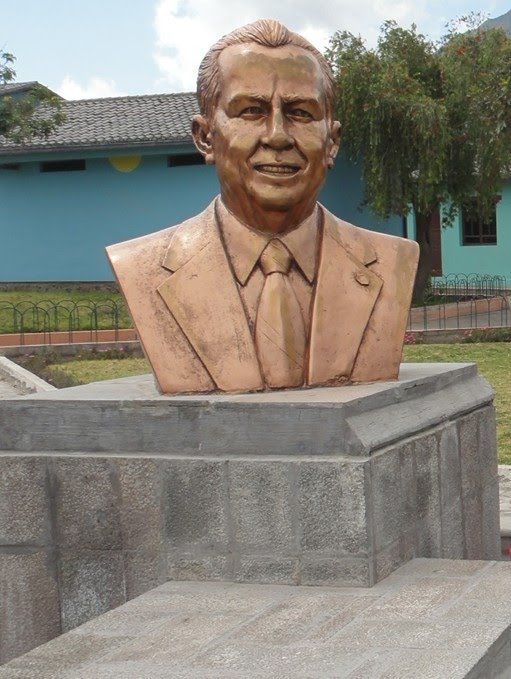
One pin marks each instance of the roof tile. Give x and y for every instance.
(155, 119)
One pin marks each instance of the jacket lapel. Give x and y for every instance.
(346, 292)
(202, 296)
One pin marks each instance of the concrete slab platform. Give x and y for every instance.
(16, 381)
(8, 391)
(129, 415)
(431, 619)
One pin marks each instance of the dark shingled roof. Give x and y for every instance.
(135, 121)
(12, 88)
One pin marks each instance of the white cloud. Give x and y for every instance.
(93, 88)
(185, 29)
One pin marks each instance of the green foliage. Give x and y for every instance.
(115, 354)
(35, 114)
(413, 337)
(43, 366)
(7, 73)
(426, 121)
(487, 335)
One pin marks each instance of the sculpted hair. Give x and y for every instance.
(266, 32)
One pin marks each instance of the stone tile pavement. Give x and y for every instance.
(505, 500)
(431, 619)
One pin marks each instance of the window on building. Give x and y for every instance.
(182, 159)
(476, 231)
(62, 166)
(9, 166)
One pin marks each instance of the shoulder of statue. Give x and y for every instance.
(368, 245)
(189, 237)
(132, 248)
(164, 247)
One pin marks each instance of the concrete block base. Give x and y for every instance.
(431, 618)
(116, 489)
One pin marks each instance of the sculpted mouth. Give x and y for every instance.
(277, 169)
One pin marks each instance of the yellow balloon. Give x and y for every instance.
(125, 163)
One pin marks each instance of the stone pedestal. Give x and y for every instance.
(110, 489)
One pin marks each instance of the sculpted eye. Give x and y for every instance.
(301, 113)
(252, 111)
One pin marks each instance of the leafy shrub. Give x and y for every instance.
(39, 365)
(487, 335)
(96, 354)
(413, 338)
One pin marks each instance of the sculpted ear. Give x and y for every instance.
(335, 141)
(201, 133)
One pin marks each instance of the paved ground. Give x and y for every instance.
(8, 390)
(431, 619)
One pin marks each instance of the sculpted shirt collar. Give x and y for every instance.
(245, 245)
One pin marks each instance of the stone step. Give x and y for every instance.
(431, 618)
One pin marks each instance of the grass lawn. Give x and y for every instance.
(83, 372)
(39, 310)
(494, 363)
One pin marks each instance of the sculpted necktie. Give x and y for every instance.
(279, 327)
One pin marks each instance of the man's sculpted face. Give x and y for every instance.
(269, 135)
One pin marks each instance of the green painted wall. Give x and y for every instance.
(55, 226)
(480, 259)
(491, 260)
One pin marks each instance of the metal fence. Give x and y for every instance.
(460, 301)
(455, 301)
(463, 286)
(64, 318)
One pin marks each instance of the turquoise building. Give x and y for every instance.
(117, 168)
(472, 246)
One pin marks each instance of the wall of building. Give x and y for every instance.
(343, 195)
(480, 259)
(55, 225)
(491, 260)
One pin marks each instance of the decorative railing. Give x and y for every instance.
(464, 286)
(49, 319)
(454, 301)
(458, 301)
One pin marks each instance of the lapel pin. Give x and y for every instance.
(362, 278)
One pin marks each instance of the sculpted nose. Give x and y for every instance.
(277, 136)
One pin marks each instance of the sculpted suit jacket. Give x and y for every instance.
(188, 312)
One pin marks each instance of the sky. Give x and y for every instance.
(103, 48)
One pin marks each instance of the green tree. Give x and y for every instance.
(35, 113)
(429, 123)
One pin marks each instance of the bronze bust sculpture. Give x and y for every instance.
(266, 289)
